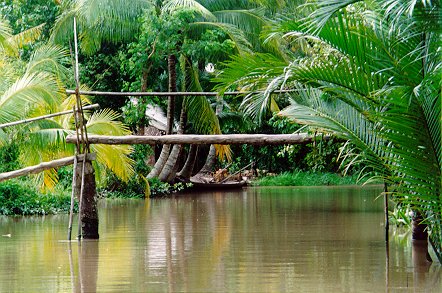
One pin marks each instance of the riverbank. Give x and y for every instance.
(21, 197)
(305, 179)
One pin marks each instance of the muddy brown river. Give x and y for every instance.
(310, 239)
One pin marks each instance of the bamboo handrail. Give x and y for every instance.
(145, 94)
(43, 166)
(253, 139)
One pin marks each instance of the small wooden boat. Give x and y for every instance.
(199, 184)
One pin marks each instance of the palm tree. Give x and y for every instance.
(370, 73)
(34, 88)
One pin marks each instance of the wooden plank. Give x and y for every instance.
(253, 139)
(94, 106)
(43, 166)
(145, 94)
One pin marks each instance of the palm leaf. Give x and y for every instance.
(30, 91)
(172, 5)
(51, 59)
(25, 37)
(241, 42)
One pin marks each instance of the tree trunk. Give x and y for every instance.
(88, 212)
(171, 67)
(159, 164)
(171, 167)
(168, 173)
(419, 229)
(210, 161)
(165, 151)
(187, 169)
(419, 236)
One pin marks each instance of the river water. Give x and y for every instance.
(321, 239)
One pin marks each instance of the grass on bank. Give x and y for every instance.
(306, 179)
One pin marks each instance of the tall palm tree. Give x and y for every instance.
(370, 73)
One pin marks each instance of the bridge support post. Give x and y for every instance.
(88, 207)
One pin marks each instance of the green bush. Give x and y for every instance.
(306, 179)
(20, 198)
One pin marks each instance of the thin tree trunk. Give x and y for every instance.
(171, 66)
(187, 169)
(165, 151)
(210, 161)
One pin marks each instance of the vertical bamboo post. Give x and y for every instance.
(387, 223)
(71, 210)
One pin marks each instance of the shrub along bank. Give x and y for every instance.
(22, 198)
(300, 178)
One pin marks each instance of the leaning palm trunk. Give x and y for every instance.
(159, 165)
(210, 161)
(187, 169)
(171, 167)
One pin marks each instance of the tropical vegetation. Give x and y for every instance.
(299, 178)
(368, 72)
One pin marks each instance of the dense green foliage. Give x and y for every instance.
(306, 179)
(370, 73)
(22, 198)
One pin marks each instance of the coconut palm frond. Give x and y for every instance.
(110, 21)
(250, 22)
(315, 109)
(173, 5)
(5, 34)
(250, 72)
(105, 122)
(63, 28)
(424, 13)
(257, 105)
(202, 115)
(25, 37)
(323, 10)
(116, 159)
(51, 59)
(30, 91)
(241, 42)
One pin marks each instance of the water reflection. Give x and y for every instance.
(256, 240)
(85, 279)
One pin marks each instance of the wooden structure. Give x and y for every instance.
(254, 139)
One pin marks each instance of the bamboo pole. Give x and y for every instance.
(387, 223)
(94, 106)
(165, 94)
(71, 210)
(253, 139)
(80, 204)
(43, 166)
